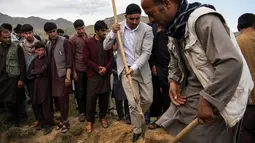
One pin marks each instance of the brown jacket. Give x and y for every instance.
(246, 41)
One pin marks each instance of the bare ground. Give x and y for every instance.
(118, 132)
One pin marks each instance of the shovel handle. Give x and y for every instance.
(185, 131)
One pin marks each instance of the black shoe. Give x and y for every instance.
(136, 137)
(128, 120)
(47, 130)
(120, 118)
(23, 118)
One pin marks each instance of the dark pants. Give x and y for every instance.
(247, 131)
(119, 108)
(43, 112)
(16, 108)
(91, 105)
(81, 91)
(161, 100)
(63, 103)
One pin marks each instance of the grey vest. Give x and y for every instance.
(59, 55)
(12, 61)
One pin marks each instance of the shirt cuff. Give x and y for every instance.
(112, 35)
(134, 67)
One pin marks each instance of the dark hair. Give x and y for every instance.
(246, 20)
(27, 28)
(100, 25)
(66, 36)
(17, 29)
(60, 31)
(133, 9)
(7, 26)
(39, 44)
(78, 23)
(3, 30)
(48, 26)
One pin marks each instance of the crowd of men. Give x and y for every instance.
(185, 64)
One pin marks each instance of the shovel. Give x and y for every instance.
(192, 125)
(129, 76)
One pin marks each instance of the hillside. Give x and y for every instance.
(38, 23)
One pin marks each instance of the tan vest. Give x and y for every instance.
(234, 110)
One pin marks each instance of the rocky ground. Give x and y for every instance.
(118, 132)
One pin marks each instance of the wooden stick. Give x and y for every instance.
(185, 131)
(126, 69)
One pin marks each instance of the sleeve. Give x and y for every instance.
(146, 48)
(29, 74)
(69, 53)
(109, 41)
(87, 57)
(174, 71)
(110, 61)
(40, 71)
(22, 64)
(225, 59)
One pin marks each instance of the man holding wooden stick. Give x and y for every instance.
(207, 72)
(137, 41)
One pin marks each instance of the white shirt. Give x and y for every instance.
(128, 44)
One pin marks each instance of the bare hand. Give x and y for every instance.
(75, 76)
(115, 27)
(175, 94)
(154, 70)
(67, 82)
(102, 70)
(20, 84)
(130, 72)
(205, 112)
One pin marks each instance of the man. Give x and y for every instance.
(137, 41)
(80, 68)
(29, 52)
(9, 27)
(12, 74)
(59, 51)
(99, 70)
(60, 32)
(159, 64)
(18, 32)
(246, 41)
(205, 69)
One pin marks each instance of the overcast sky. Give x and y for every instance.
(92, 10)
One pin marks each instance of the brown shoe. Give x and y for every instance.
(89, 127)
(104, 123)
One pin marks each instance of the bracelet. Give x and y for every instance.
(68, 79)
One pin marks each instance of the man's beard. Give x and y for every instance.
(30, 39)
(6, 44)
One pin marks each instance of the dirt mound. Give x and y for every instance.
(121, 132)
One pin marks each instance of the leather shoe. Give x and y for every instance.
(136, 137)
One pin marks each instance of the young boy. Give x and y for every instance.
(41, 100)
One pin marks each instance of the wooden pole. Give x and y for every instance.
(185, 131)
(126, 69)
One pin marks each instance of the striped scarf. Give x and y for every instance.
(176, 28)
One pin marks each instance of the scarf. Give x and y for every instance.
(29, 51)
(176, 28)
